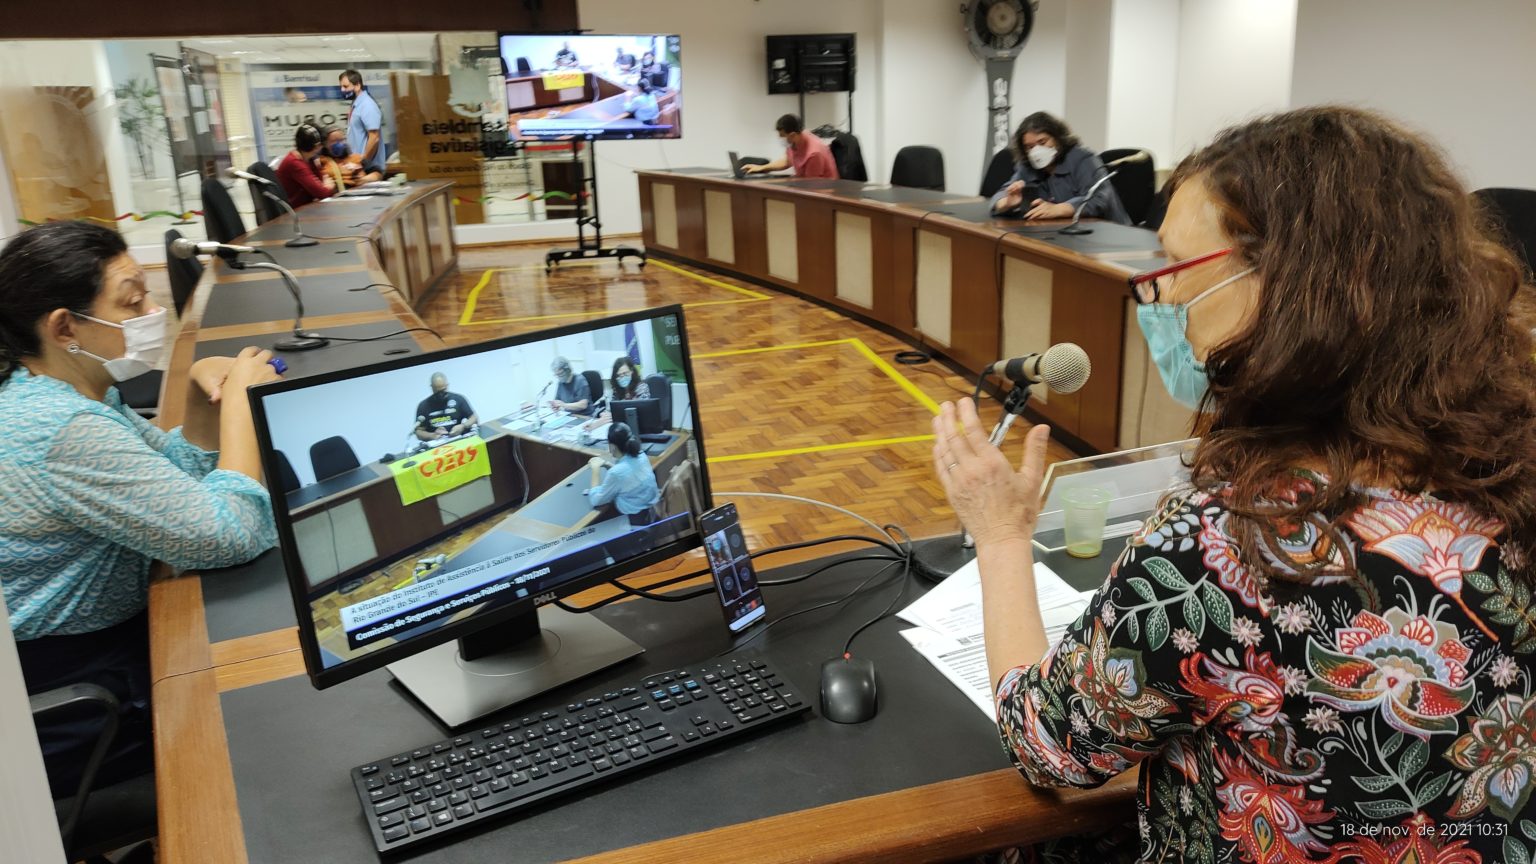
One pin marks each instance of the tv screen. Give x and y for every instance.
(614, 87)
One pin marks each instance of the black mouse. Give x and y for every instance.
(848, 689)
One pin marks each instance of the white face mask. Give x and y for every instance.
(1041, 156)
(143, 343)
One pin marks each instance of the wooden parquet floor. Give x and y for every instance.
(794, 398)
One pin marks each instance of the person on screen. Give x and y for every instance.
(1050, 159)
(572, 392)
(624, 61)
(565, 58)
(641, 102)
(94, 493)
(1337, 591)
(809, 155)
(658, 74)
(444, 414)
(301, 179)
(294, 95)
(630, 484)
(626, 384)
(365, 122)
(337, 161)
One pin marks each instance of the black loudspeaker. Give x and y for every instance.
(811, 64)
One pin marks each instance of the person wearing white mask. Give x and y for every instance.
(1052, 175)
(93, 492)
(1338, 589)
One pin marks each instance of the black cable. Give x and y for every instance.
(384, 336)
(912, 358)
(906, 573)
(843, 599)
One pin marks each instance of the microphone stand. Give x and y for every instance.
(301, 340)
(299, 239)
(1077, 214)
(937, 559)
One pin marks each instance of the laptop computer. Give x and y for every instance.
(739, 171)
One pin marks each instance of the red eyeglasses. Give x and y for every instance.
(1144, 285)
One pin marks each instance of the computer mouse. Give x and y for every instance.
(848, 689)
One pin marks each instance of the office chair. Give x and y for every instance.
(184, 272)
(999, 171)
(919, 168)
(220, 217)
(524, 67)
(1513, 212)
(847, 155)
(1134, 182)
(595, 384)
(331, 456)
(287, 479)
(266, 208)
(661, 389)
(96, 820)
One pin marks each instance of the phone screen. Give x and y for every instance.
(735, 581)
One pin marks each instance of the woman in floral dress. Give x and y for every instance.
(1323, 649)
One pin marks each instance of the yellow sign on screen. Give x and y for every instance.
(440, 469)
(564, 80)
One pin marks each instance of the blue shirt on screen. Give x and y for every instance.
(93, 493)
(366, 117)
(630, 485)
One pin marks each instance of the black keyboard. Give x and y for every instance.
(456, 784)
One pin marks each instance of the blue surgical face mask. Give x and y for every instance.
(623, 381)
(340, 150)
(1165, 327)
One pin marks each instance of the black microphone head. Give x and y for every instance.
(1065, 367)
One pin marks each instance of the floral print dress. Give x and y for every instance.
(1380, 713)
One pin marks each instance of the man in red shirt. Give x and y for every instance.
(808, 154)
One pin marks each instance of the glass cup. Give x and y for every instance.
(1084, 510)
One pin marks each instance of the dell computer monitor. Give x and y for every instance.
(593, 87)
(435, 505)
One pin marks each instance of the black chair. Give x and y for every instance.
(919, 168)
(848, 156)
(524, 67)
(661, 390)
(287, 479)
(1134, 182)
(184, 272)
(1514, 213)
(595, 384)
(96, 820)
(331, 456)
(266, 208)
(220, 217)
(999, 171)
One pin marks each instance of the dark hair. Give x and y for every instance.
(634, 378)
(623, 439)
(354, 77)
(644, 84)
(789, 124)
(307, 138)
(1393, 333)
(1042, 123)
(55, 266)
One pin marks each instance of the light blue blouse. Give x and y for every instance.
(93, 493)
(630, 485)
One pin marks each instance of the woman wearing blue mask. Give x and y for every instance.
(1322, 640)
(623, 383)
(93, 492)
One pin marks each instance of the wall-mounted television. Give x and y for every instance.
(588, 86)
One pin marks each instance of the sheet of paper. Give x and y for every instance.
(964, 665)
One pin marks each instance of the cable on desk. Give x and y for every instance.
(843, 599)
(884, 613)
(812, 501)
(386, 335)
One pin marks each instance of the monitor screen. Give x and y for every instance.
(421, 499)
(562, 87)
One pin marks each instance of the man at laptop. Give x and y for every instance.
(808, 154)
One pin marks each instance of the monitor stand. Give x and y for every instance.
(506, 663)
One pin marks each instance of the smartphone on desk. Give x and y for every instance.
(735, 581)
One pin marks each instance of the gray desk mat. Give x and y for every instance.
(1106, 237)
(349, 221)
(696, 169)
(969, 211)
(292, 746)
(249, 599)
(268, 299)
(900, 195)
(326, 253)
(337, 355)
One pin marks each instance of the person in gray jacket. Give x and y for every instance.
(1052, 176)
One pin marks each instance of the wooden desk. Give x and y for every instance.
(936, 269)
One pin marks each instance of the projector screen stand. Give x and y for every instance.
(588, 247)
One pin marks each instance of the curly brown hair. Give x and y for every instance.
(1393, 338)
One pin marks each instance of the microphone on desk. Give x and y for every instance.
(183, 248)
(301, 340)
(266, 187)
(1077, 214)
(1063, 367)
(1138, 156)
